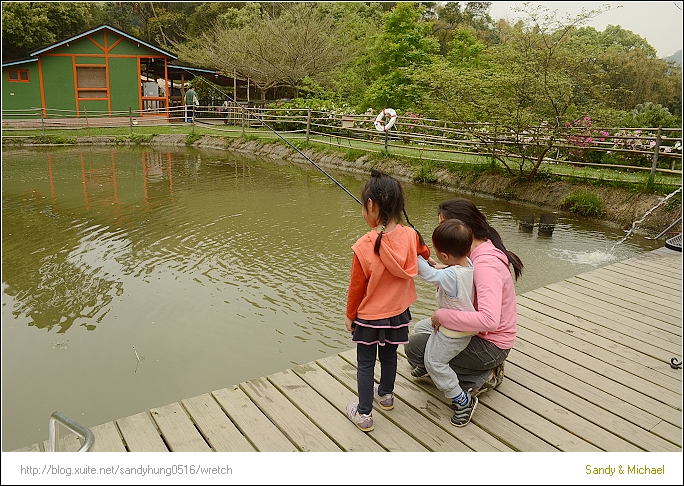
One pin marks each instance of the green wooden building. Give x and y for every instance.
(101, 71)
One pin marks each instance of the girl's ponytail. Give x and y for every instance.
(420, 237)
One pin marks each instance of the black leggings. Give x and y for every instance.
(365, 359)
(472, 365)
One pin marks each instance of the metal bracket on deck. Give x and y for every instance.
(675, 364)
(81, 430)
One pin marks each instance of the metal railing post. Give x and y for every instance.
(308, 124)
(81, 430)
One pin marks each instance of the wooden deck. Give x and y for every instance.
(590, 371)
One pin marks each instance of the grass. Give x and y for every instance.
(426, 162)
(583, 203)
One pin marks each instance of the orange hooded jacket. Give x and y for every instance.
(381, 286)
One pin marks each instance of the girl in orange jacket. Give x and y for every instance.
(381, 289)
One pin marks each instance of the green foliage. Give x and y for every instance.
(192, 138)
(395, 56)
(425, 173)
(55, 140)
(141, 138)
(651, 115)
(27, 26)
(583, 203)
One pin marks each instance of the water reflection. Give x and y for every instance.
(218, 268)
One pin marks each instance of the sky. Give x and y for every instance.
(660, 23)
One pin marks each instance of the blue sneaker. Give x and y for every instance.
(463, 413)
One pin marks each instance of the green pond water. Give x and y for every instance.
(217, 267)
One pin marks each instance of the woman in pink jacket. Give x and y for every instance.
(480, 366)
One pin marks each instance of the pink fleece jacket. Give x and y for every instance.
(496, 315)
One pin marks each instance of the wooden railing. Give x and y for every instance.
(654, 149)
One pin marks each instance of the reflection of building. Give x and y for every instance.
(101, 71)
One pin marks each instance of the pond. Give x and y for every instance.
(136, 277)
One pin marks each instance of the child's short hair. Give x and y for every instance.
(453, 237)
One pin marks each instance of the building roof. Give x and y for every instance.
(96, 29)
(19, 61)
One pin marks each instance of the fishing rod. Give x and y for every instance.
(227, 96)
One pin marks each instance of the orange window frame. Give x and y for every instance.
(19, 73)
(103, 89)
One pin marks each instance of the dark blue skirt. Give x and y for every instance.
(393, 330)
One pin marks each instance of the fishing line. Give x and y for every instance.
(227, 96)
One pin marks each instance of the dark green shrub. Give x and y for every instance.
(583, 203)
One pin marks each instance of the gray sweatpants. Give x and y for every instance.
(441, 349)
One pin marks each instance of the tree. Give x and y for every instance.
(401, 50)
(30, 26)
(450, 19)
(531, 84)
(302, 41)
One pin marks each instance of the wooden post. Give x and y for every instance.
(234, 86)
(308, 124)
(247, 91)
(655, 153)
(242, 112)
(386, 137)
(42, 120)
(85, 110)
(130, 118)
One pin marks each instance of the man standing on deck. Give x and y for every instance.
(191, 100)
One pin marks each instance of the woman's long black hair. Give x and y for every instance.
(466, 211)
(386, 192)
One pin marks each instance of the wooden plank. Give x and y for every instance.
(385, 433)
(546, 298)
(491, 423)
(330, 420)
(570, 290)
(658, 294)
(620, 292)
(293, 423)
(68, 443)
(601, 315)
(107, 438)
(589, 288)
(669, 432)
(534, 422)
(603, 428)
(659, 268)
(636, 407)
(440, 413)
(648, 368)
(31, 448)
(619, 381)
(213, 423)
(634, 338)
(647, 278)
(253, 424)
(178, 430)
(140, 434)
(403, 420)
(662, 303)
(650, 272)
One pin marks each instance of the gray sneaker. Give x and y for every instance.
(362, 421)
(385, 402)
(463, 413)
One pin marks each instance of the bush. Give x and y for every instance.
(583, 203)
